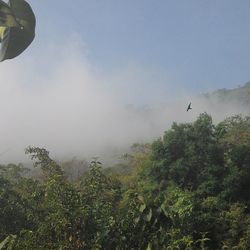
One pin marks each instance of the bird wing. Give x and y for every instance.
(7, 17)
(189, 106)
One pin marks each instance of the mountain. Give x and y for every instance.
(239, 95)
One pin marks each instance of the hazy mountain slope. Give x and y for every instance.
(239, 95)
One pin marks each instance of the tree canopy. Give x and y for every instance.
(189, 189)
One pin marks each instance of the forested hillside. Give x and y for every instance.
(240, 95)
(189, 189)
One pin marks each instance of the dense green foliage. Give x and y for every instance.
(186, 190)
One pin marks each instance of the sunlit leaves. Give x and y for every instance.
(187, 190)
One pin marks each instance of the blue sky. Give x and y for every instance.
(200, 45)
(103, 74)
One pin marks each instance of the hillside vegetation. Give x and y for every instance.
(187, 190)
(239, 95)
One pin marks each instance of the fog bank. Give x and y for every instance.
(67, 107)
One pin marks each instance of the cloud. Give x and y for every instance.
(59, 101)
(64, 105)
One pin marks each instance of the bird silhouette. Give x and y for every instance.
(189, 106)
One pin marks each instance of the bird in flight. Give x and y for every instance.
(189, 106)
